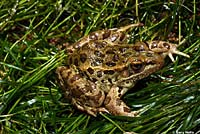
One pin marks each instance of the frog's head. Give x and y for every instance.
(165, 48)
(150, 58)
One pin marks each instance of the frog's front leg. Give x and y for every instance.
(116, 106)
(82, 92)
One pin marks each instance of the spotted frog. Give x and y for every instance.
(102, 67)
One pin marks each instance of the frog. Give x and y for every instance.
(102, 66)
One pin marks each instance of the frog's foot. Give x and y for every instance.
(125, 28)
(117, 106)
(90, 110)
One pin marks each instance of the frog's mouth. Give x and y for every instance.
(149, 69)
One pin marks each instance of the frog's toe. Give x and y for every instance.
(94, 111)
(103, 110)
(133, 114)
(120, 109)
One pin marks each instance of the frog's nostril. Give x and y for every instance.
(166, 45)
(110, 64)
(76, 63)
(154, 45)
(99, 74)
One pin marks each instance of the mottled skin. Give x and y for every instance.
(102, 67)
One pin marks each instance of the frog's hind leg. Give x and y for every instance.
(87, 98)
(125, 28)
(82, 92)
(118, 35)
(112, 36)
(116, 106)
(88, 109)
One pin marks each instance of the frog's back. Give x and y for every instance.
(102, 55)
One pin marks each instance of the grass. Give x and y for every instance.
(31, 38)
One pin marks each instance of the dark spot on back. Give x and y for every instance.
(90, 70)
(122, 36)
(114, 37)
(96, 62)
(120, 89)
(99, 60)
(94, 79)
(70, 60)
(83, 57)
(93, 36)
(76, 62)
(109, 72)
(99, 54)
(111, 64)
(110, 80)
(99, 44)
(69, 51)
(106, 34)
(74, 78)
(85, 74)
(99, 74)
(127, 82)
(115, 58)
(122, 49)
(110, 51)
(139, 48)
(81, 74)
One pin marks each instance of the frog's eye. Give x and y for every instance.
(141, 46)
(137, 67)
